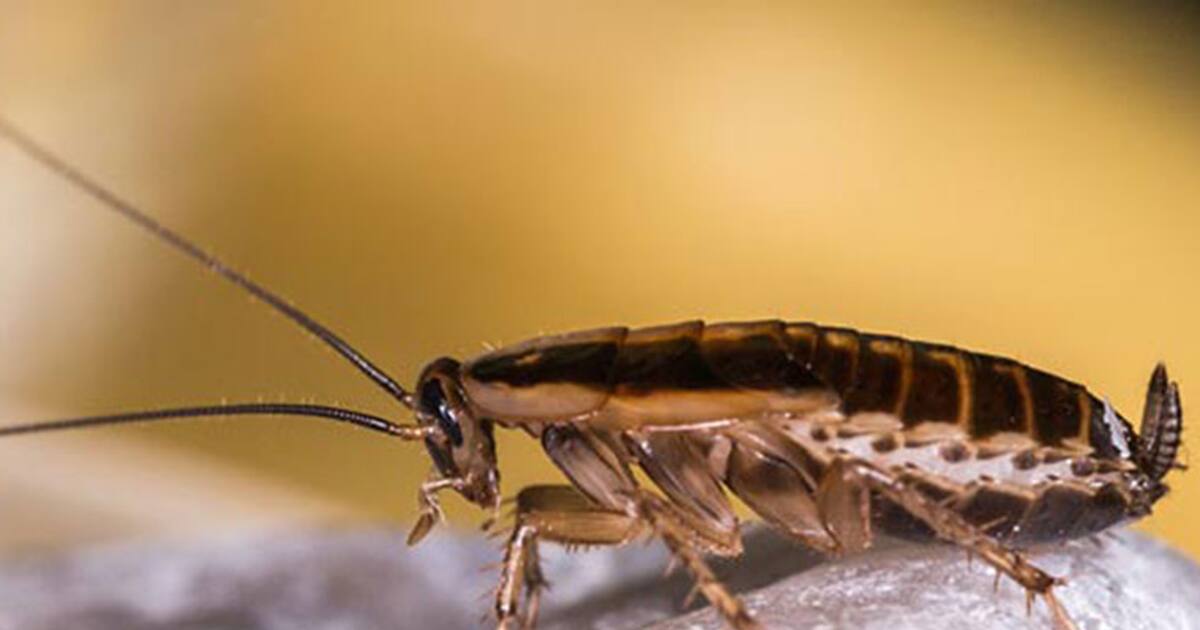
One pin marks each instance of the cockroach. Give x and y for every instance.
(827, 434)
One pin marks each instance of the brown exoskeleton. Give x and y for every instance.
(825, 433)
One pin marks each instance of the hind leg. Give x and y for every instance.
(952, 527)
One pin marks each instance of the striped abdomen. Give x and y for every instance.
(693, 372)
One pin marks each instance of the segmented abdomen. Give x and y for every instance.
(693, 372)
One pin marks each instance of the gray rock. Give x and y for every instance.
(1125, 581)
(367, 580)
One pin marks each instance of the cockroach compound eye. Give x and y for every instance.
(828, 434)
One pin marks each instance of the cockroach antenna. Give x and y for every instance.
(358, 418)
(112, 201)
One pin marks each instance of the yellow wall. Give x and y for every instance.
(428, 180)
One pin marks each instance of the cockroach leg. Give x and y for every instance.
(431, 509)
(844, 506)
(558, 514)
(563, 515)
(685, 543)
(952, 527)
(521, 572)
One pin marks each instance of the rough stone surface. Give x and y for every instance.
(1129, 582)
(367, 579)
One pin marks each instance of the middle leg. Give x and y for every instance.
(687, 544)
(692, 518)
(563, 515)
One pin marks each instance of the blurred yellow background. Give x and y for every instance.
(431, 177)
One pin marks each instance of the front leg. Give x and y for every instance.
(431, 509)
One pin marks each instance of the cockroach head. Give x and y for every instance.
(1162, 425)
(461, 446)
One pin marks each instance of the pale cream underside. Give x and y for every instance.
(921, 448)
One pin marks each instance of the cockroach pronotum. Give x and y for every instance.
(827, 434)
